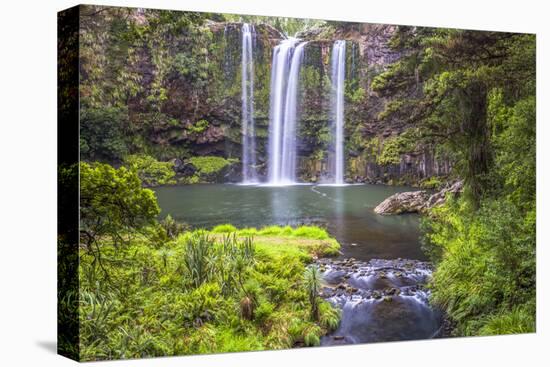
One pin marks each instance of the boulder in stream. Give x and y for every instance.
(416, 201)
(403, 202)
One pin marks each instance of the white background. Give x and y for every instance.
(28, 181)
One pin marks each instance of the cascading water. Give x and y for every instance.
(247, 96)
(338, 66)
(285, 75)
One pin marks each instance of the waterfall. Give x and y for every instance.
(338, 66)
(285, 77)
(247, 115)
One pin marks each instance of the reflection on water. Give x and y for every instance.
(346, 211)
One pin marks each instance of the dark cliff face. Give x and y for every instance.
(182, 93)
(370, 135)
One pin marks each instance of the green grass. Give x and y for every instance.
(224, 228)
(311, 232)
(302, 241)
(519, 320)
(185, 295)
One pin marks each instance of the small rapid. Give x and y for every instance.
(380, 300)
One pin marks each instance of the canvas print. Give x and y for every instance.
(234, 183)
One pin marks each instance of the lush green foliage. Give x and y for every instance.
(478, 104)
(199, 127)
(150, 171)
(486, 266)
(154, 83)
(393, 147)
(209, 164)
(102, 134)
(113, 203)
(166, 290)
(199, 294)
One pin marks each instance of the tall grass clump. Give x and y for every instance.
(226, 260)
(197, 258)
(312, 283)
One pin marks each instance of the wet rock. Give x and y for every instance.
(416, 201)
(186, 169)
(403, 202)
(392, 291)
(334, 276)
(231, 173)
(381, 300)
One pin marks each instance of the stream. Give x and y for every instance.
(381, 300)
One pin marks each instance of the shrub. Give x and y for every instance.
(112, 202)
(101, 134)
(172, 227)
(329, 316)
(150, 171)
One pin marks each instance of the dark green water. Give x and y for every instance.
(346, 211)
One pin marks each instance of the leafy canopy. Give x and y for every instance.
(113, 203)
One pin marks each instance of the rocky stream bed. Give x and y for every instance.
(381, 300)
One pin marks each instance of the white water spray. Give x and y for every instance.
(247, 116)
(285, 78)
(338, 67)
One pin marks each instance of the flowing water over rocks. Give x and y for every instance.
(381, 300)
